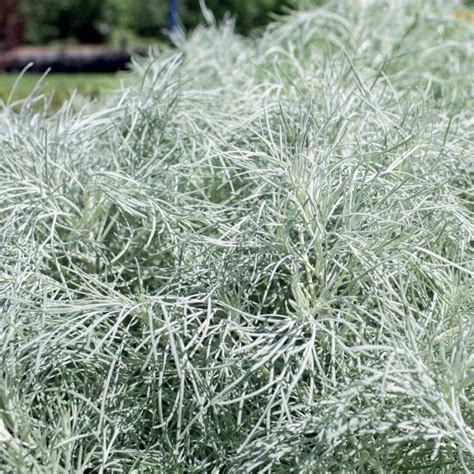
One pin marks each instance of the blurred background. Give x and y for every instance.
(101, 21)
(95, 38)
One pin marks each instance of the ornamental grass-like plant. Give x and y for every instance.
(258, 258)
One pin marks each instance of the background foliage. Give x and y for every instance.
(95, 20)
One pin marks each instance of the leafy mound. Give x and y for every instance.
(258, 258)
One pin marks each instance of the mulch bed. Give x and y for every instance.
(73, 59)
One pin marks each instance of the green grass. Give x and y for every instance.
(256, 257)
(59, 86)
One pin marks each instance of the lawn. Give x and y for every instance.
(255, 257)
(60, 86)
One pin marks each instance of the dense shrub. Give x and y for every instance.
(257, 258)
(59, 19)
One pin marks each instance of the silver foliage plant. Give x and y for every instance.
(258, 258)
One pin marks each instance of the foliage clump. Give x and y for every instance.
(258, 258)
